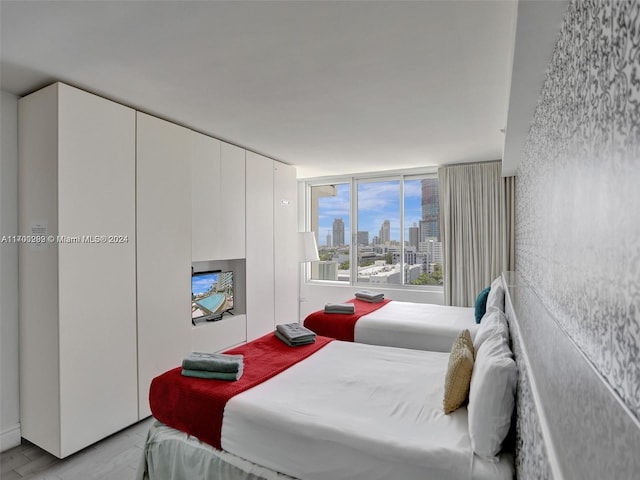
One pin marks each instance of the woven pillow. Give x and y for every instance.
(458, 379)
(468, 342)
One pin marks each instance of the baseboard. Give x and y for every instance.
(10, 438)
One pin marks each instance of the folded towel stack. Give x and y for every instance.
(348, 308)
(294, 334)
(219, 366)
(369, 296)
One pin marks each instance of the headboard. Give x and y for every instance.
(569, 422)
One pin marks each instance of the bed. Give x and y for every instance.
(345, 411)
(419, 326)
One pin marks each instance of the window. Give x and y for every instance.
(423, 245)
(389, 229)
(331, 221)
(378, 215)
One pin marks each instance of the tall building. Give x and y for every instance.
(430, 208)
(414, 236)
(385, 232)
(423, 233)
(433, 250)
(363, 238)
(328, 239)
(338, 232)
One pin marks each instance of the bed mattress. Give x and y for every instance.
(354, 411)
(419, 326)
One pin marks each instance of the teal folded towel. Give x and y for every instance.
(347, 308)
(213, 362)
(230, 376)
(295, 333)
(370, 300)
(369, 296)
(294, 343)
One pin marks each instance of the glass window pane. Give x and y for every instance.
(395, 230)
(423, 247)
(378, 246)
(331, 220)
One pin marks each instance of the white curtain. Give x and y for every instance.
(476, 227)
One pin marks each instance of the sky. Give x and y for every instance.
(377, 201)
(201, 283)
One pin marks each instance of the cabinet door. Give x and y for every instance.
(163, 250)
(96, 276)
(38, 269)
(207, 212)
(232, 202)
(285, 260)
(259, 262)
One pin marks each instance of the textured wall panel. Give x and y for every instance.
(578, 241)
(578, 194)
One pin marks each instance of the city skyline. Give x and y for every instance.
(377, 202)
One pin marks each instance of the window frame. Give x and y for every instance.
(354, 180)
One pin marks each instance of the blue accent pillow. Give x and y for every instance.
(481, 304)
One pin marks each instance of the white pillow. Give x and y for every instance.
(491, 397)
(493, 323)
(495, 299)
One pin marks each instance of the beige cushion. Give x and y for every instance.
(466, 338)
(458, 379)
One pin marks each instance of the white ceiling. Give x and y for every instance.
(331, 87)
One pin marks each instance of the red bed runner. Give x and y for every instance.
(196, 406)
(340, 326)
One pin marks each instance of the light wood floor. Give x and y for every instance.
(114, 458)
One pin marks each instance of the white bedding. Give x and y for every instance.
(357, 412)
(419, 326)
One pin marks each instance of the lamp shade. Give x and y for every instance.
(307, 247)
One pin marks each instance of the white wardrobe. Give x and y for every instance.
(78, 338)
(129, 202)
(272, 271)
(285, 251)
(163, 207)
(218, 232)
(260, 245)
(218, 199)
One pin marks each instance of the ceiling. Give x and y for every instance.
(330, 87)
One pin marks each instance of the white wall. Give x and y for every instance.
(9, 379)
